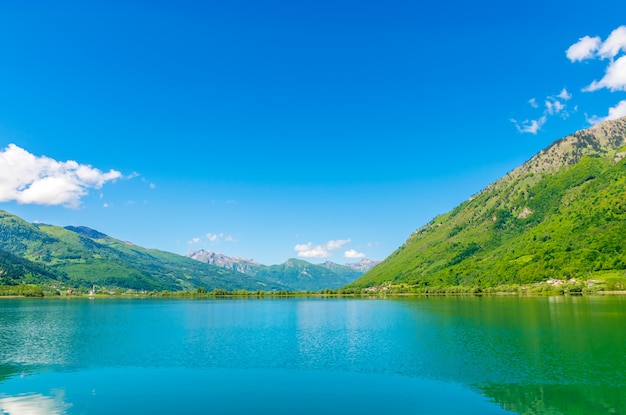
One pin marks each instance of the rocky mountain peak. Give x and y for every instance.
(603, 140)
(221, 260)
(363, 265)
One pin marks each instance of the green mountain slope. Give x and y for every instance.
(302, 275)
(560, 215)
(15, 270)
(294, 274)
(85, 257)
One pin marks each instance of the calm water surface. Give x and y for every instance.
(470, 355)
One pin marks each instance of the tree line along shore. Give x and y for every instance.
(614, 285)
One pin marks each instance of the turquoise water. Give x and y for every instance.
(468, 355)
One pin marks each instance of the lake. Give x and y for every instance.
(422, 355)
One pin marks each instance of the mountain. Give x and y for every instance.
(363, 265)
(295, 274)
(560, 215)
(81, 257)
(15, 270)
(302, 275)
(243, 265)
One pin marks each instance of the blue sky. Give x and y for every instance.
(278, 129)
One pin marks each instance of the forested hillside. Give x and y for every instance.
(560, 215)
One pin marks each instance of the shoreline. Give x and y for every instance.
(184, 296)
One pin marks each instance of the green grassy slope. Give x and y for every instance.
(560, 215)
(302, 275)
(88, 257)
(294, 274)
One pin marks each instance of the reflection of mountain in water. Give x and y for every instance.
(531, 355)
(7, 371)
(559, 399)
(554, 355)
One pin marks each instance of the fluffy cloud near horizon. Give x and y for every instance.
(615, 112)
(337, 244)
(319, 251)
(553, 105)
(614, 78)
(309, 251)
(29, 179)
(352, 254)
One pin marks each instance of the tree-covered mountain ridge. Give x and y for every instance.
(562, 214)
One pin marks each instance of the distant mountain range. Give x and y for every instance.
(53, 256)
(560, 215)
(76, 256)
(294, 273)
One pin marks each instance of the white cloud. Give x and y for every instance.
(352, 254)
(26, 178)
(152, 186)
(614, 79)
(564, 95)
(554, 104)
(615, 112)
(558, 106)
(309, 251)
(333, 245)
(614, 44)
(213, 237)
(585, 48)
(533, 126)
(303, 247)
(319, 251)
(194, 241)
(216, 237)
(530, 126)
